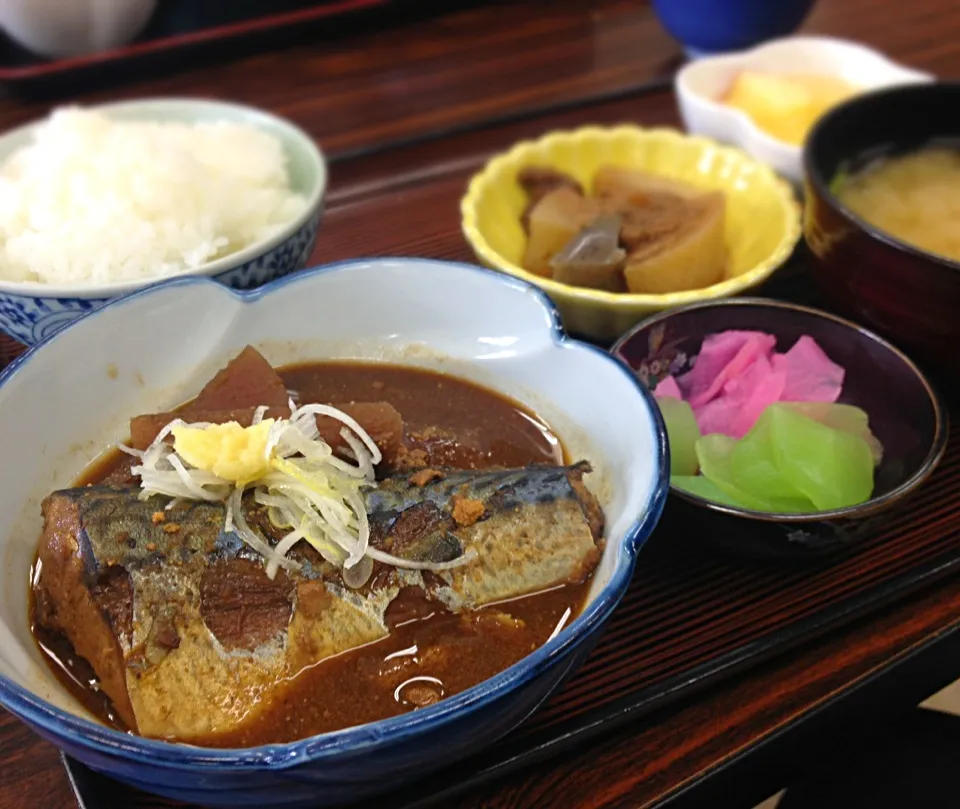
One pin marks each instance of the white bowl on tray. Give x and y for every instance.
(67, 400)
(58, 29)
(31, 311)
(700, 85)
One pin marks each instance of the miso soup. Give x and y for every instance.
(913, 197)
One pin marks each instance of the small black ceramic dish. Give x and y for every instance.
(906, 414)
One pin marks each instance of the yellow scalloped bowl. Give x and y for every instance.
(762, 221)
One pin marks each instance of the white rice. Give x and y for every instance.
(92, 200)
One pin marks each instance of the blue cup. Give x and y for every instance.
(713, 26)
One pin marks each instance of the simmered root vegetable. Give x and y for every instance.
(626, 185)
(689, 257)
(669, 236)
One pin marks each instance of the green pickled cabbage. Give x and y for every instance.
(715, 453)
(834, 468)
(799, 457)
(682, 434)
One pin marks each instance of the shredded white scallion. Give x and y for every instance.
(283, 547)
(309, 492)
(409, 564)
(248, 535)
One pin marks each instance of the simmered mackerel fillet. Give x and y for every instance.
(189, 637)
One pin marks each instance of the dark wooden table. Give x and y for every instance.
(406, 114)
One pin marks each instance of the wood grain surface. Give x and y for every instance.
(408, 113)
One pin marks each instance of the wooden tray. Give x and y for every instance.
(179, 29)
(691, 618)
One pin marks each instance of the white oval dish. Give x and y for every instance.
(67, 400)
(700, 84)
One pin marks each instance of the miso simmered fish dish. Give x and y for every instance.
(306, 549)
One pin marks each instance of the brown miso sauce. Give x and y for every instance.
(455, 422)
(430, 654)
(452, 421)
(74, 673)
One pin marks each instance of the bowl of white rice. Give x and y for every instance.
(98, 202)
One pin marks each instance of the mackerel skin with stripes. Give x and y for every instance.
(190, 638)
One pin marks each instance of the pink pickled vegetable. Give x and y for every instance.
(668, 389)
(742, 401)
(723, 357)
(811, 376)
(738, 374)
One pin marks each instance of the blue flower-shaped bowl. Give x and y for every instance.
(67, 400)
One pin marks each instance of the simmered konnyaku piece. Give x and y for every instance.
(247, 382)
(190, 638)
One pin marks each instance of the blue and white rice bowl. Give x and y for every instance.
(32, 311)
(66, 401)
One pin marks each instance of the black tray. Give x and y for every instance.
(183, 31)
